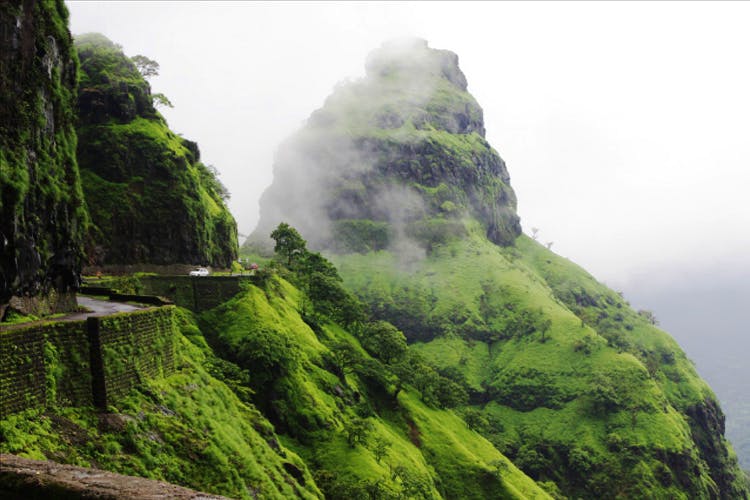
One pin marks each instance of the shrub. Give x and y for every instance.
(384, 341)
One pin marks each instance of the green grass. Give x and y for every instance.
(599, 379)
(314, 409)
(188, 428)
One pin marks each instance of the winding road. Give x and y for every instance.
(94, 307)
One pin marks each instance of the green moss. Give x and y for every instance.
(149, 175)
(38, 170)
(188, 428)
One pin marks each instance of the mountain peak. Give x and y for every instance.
(414, 58)
(395, 160)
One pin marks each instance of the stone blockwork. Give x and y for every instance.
(80, 363)
(135, 346)
(67, 364)
(22, 370)
(44, 364)
(195, 293)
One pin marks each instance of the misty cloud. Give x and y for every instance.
(343, 164)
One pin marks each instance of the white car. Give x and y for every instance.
(201, 271)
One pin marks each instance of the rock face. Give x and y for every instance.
(399, 153)
(151, 199)
(25, 478)
(42, 214)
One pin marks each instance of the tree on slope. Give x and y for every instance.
(289, 243)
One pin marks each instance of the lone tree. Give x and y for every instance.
(146, 67)
(161, 100)
(289, 243)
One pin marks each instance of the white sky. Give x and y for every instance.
(625, 125)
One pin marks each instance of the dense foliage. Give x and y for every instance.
(579, 390)
(368, 416)
(150, 198)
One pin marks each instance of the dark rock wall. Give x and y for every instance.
(42, 214)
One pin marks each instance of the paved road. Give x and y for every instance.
(95, 307)
(98, 307)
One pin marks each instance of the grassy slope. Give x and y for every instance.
(539, 396)
(430, 453)
(188, 428)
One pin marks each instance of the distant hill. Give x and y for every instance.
(150, 197)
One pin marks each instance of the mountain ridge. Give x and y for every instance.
(409, 135)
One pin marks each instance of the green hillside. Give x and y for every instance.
(415, 208)
(431, 351)
(564, 378)
(274, 399)
(339, 408)
(189, 429)
(150, 197)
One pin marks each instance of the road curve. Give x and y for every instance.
(94, 308)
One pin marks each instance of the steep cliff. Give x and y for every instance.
(42, 215)
(399, 153)
(394, 178)
(150, 197)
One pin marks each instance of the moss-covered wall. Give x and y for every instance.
(196, 294)
(51, 364)
(21, 370)
(134, 346)
(44, 364)
(42, 214)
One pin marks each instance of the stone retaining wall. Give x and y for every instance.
(194, 293)
(79, 363)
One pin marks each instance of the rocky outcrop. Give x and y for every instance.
(400, 154)
(25, 478)
(42, 214)
(151, 199)
(707, 426)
